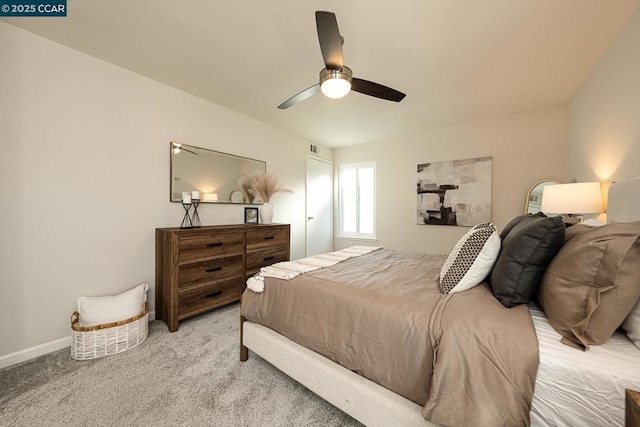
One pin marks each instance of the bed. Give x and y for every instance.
(511, 351)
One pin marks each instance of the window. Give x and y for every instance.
(357, 201)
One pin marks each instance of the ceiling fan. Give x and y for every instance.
(336, 79)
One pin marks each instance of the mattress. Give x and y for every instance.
(578, 388)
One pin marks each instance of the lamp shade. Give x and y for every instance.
(578, 198)
(210, 197)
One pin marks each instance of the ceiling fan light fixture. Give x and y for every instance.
(335, 88)
(336, 80)
(335, 83)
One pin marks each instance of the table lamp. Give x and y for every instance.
(571, 200)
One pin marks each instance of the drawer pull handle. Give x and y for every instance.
(268, 258)
(214, 245)
(214, 294)
(269, 238)
(211, 270)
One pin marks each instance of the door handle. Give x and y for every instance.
(309, 218)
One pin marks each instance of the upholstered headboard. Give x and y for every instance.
(624, 201)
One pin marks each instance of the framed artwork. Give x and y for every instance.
(455, 192)
(250, 215)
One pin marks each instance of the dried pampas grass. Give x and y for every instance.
(266, 185)
(246, 185)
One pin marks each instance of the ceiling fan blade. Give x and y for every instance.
(308, 92)
(376, 89)
(330, 39)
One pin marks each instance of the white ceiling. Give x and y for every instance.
(457, 60)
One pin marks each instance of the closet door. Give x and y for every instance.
(319, 206)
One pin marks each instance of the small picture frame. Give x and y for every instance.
(250, 215)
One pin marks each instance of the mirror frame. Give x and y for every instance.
(228, 198)
(533, 188)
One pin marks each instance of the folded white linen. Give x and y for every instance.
(289, 269)
(279, 273)
(318, 262)
(256, 283)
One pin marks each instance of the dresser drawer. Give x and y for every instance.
(205, 298)
(265, 257)
(267, 237)
(205, 245)
(211, 270)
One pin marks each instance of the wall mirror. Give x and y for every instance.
(214, 174)
(534, 196)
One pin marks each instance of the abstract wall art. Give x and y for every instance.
(455, 192)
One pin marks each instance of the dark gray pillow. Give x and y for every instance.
(527, 249)
(517, 220)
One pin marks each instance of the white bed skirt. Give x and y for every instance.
(364, 400)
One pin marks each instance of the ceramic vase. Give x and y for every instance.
(266, 213)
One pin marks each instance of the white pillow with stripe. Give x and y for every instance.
(471, 259)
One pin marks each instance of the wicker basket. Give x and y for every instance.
(92, 342)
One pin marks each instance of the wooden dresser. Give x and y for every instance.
(198, 269)
(632, 408)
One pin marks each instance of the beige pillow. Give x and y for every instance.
(592, 283)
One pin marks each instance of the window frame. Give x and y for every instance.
(356, 235)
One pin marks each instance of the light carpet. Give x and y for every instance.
(192, 377)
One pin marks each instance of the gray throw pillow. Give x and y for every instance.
(527, 249)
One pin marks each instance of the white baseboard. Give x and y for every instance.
(42, 349)
(35, 351)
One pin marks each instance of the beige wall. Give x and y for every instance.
(526, 148)
(84, 176)
(604, 139)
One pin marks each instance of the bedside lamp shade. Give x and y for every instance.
(578, 198)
